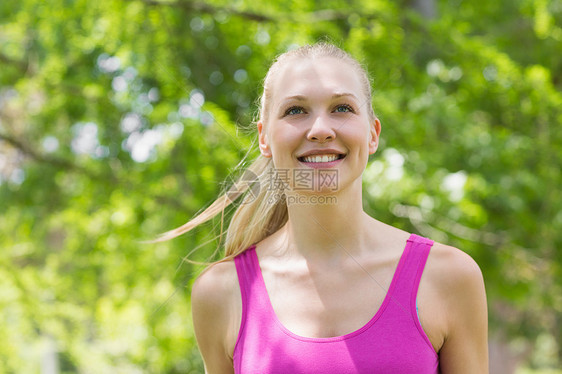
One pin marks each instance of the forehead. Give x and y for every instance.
(316, 78)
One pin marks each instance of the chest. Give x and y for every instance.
(324, 303)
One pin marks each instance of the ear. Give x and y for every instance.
(263, 141)
(375, 131)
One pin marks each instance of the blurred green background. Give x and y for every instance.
(122, 119)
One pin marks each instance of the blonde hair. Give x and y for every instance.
(263, 213)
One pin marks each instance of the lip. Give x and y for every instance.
(321, 165)
(324, 151)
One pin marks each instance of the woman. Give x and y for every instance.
(311, 283)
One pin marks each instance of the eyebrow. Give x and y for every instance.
(334, 96)
(338, 95)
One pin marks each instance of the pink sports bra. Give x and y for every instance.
(392, 342)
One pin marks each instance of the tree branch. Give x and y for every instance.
(20, 65)
(33, 154)
(320, 15)
(211, 9)
(416, 216)
(28, 151)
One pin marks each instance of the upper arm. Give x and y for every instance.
(465, 349)
(213, 310)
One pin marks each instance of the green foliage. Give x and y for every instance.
(122, 119)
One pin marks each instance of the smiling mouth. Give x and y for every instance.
(321, 158)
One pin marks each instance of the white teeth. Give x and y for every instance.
(321, 158)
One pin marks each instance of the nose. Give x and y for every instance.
(321, 130)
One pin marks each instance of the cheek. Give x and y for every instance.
(283, 139)
(356, 138)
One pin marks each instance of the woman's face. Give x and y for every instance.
(318, 121)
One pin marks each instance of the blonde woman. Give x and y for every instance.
(312, 284)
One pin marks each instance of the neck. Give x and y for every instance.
(329, 228)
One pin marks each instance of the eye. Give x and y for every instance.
(294, 110)
(344, 108)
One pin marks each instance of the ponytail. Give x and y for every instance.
(262, 211)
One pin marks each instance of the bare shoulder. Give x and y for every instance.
(453, 270)
(458, 289)
(457, 281)
(216, 284)
(215, 297)
(216, 310)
